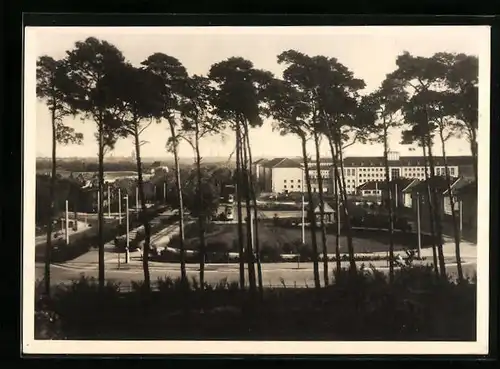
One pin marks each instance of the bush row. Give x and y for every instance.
(361, 306)
(221, 252)
(62, 252)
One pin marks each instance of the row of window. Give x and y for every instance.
(371, 192)
(291, 186)
(291, 181)
(380, 171)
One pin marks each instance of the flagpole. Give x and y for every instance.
(127, 255)
(119, 206)
(418, 227)
(303, 211)
(66, 225)
(109, 203)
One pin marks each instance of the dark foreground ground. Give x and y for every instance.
(417, 306)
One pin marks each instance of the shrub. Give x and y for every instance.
(418, 306)
(305, 252)
(217, 246)
(62, 252)
(269, 254)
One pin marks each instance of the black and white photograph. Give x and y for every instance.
(256, 190)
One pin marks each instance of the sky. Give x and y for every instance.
(369, 52)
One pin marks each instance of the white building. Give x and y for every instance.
(358, 170)
(281, 175)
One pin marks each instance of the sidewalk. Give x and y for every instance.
(135, 265)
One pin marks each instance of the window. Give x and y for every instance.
(284, 186)
(291, 186)
(452, 171)
(298, 180)
(291, 180)
(284, 181)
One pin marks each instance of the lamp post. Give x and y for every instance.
(303, 210)
(127, 255)
(66, 228)
(109, 203)
(137, 201)
(461, 218)
(419, 236)
(119, 206)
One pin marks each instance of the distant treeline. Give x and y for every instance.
(79, 165)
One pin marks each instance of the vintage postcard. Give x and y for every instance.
(256, 190)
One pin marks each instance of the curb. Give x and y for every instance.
(138, 269)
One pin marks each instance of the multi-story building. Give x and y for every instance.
(358, 170)
(280, 175)
(326, 171)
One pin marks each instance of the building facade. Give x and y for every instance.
(279, 175)
(358, 170)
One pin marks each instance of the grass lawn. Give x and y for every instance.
(269, 235)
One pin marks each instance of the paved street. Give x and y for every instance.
(273, 273)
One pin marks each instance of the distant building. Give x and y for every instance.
(258, 170)
(419, 192)
(467, 195)
(157, 168)
(282, 175)
(272, 174)
(359, 170)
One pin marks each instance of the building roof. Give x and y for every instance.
(404, 161)
(369, 161)
(260, 161)
(282, 163)
(461, 184)
(467, 187)
(288, 163)
(439, 182)
(371, 185)
(401, 182)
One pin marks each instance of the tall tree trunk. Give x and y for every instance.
(178, 184)
(202, 216)
(431, 211)
(241, 249)
(255, 212)
(343, 191)
(249, 249)
(48, 246)
(473, 149)
(144, 214)
(389, 205)
(321, 208)
(100, 206)
(437, 210)
(336, 187)
(311, 217)
(452, 205)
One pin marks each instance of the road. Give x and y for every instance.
(273, 274)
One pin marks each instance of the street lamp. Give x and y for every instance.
(119, 206)
(418, 227)
(127, 255)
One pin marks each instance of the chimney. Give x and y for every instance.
(393, 155)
